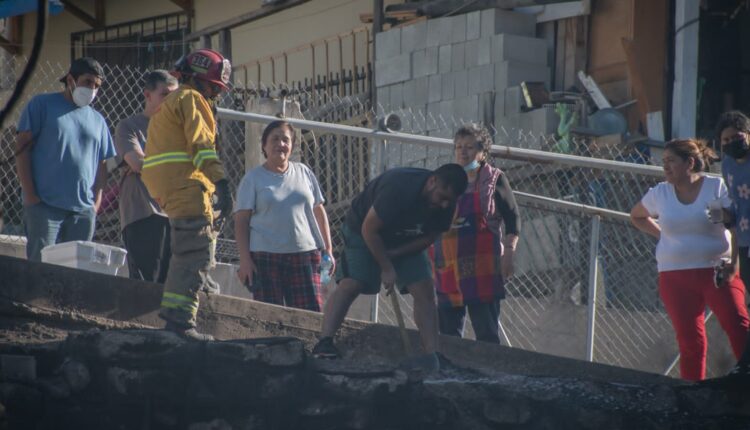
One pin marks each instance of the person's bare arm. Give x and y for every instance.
(99, 182)
(371, 227)
(242, 240)
(643, 221)
(134, 159)
(321, 217)
(24, 142)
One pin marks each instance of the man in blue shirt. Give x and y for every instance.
(62, 143)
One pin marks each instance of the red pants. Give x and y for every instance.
(685, 294)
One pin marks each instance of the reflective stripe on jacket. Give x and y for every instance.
(181, 164)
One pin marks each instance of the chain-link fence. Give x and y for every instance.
(547, 305)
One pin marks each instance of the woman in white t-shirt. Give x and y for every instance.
(281, 226)
(689, 248)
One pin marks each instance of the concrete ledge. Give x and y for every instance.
(50, 286)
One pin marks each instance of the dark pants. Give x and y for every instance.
(149, 251)
(484, 319)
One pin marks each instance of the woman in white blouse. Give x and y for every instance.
(689, 248)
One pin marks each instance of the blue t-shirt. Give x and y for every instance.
(737, 177)
(69, 144)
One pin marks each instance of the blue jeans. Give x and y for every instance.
(47, 225)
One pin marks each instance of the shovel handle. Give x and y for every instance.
(401, 325)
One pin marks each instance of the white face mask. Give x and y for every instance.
(83, 96)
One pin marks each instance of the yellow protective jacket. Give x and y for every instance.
(181, 163)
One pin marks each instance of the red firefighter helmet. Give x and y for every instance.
(207, 65)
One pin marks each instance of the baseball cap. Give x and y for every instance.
(84, 65)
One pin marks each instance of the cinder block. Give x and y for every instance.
(383, 95)
(513, 98)
(439, 31)
(435, 89)
(458, 28)
(482, 79)
(418, 63)
(388, 44)
(458, 56)
(444, 58)
(484, 54)
(471, 53)
(392, 70)
(421, 90)
(543, 120)
(487, 78)
(433, 109)
(447, 86)
(409, 92)
(499, 103)
(506, 123)
(396, 96)
(509, 47)
(496, 21)
(486, 107)
(425, 62)
(446, 110)
(414, 37)
(474, 80)
(509, 73)
(473, 25)
(461, 83)
(466, 108)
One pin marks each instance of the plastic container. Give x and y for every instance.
(90, 256)
(229, 284)
(325, 269)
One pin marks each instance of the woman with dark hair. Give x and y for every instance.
(689, 248)
(472, 259)
(281, 226)
(732, 133)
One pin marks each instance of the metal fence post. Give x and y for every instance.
(381, 165)
(593, 271)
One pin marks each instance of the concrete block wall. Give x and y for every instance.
(462, 67)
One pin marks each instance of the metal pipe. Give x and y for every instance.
(578, 207)
(438, 142)
(593, 271)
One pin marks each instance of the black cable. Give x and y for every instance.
(41, 30)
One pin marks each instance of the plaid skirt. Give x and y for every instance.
(288, 279)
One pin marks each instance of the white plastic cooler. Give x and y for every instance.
(90, 256)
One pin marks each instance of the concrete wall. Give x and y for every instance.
(465, 67)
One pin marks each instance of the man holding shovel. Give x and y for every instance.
(386, 234)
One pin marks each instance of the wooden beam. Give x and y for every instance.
(225, 44)
(186, 5)
(367, 18)
(636, 80)
(79, 13)
(244, 19)
(13, 46)
(9, 46)
(436, 8)
(100, 12)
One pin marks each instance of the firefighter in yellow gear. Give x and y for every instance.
(182, 172)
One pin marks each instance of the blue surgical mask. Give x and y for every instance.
(474, 165)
